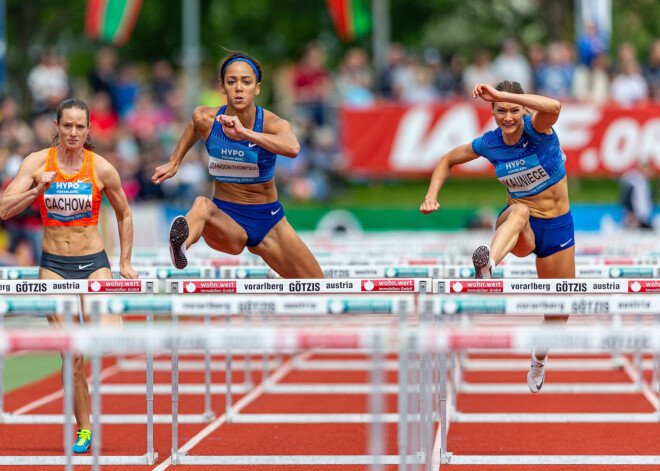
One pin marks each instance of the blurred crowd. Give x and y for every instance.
(138, 110)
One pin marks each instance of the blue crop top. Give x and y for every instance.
(534, 163)
(239, 161)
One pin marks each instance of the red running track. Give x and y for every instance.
(351, 439)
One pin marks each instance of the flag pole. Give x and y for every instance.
(380, 12)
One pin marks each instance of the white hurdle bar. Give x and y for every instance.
(300, 286)
(581, 271)
(300, 305)
(459, 301)
(66, 304)
(98, 340)
(344, 271)
(547, 286)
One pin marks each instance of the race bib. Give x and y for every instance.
(523, 177)
(68, 201)
(236, 164)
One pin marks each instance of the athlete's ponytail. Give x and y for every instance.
(76, 103)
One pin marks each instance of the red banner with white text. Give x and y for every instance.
(399, 140)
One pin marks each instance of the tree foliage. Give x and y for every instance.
(277, 32)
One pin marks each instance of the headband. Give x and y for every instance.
(254, 67)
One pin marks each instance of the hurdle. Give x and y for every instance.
(344, 271)
(581, 271)
(66, 304)
(429, 340)
(308, 306)
(468, 297)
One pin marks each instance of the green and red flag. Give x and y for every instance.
(111, 21)
(352, 18)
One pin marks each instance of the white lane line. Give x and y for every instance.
(277, 375)
(647, 390)
(106, 373)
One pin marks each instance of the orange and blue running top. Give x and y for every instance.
(71, 200)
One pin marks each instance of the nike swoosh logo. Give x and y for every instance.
(566, 243)
(81, 181)
(82, 267)
(525, 145)
(272, 213)
(251, 144)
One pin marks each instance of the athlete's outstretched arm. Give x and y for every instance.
(547, 109)
(277, 136)
(117, 198)
(458, 155)
(188, 139)
(20, 194)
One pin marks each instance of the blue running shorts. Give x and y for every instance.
(256, 219)
(552, 235)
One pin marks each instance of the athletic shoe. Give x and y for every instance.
(536, 374)
(84, 441)
(178, 235)
(483, 264)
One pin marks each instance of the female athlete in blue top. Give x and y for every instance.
(527, 158)
(243, 141)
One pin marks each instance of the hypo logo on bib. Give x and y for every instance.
(522, 177)
(234, 162)
(68, 201)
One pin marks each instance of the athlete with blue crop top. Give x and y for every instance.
(525, 152)
(243, 141)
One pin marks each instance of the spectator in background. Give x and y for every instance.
(15, 133)
(636, 197)
(590, 44)
(627, 53)
(555, 79)
(126, 90)
(591, 84)
(24, 230)
(146, 119)
(480, 71)
(43, 129)
(652, 71)
(104, 120)
(128, 161)
(422, 88)
(48, 82)
(102, 78)
(388, 81)
(312, 84)
(354, 82)
(511, 65)
(537, 59)
(628, 87)
(448, 79)
(163, 81)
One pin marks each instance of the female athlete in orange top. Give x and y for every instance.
(68, 180)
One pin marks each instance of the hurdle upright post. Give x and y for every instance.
(208, 412)
(151, 455)
(96, 391)
(443, 398)
(175, 382)
(67, 385)
(403, 386)
(228, 375)
(2, 372)
(425, 404)
(376, 427)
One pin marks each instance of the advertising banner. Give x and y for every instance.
(400, 140)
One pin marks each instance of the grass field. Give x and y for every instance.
(455, 193)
